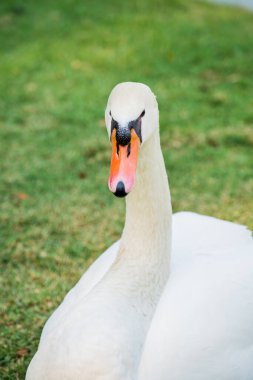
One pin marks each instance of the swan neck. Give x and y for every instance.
(147, 231)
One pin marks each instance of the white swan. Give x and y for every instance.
(128, 318)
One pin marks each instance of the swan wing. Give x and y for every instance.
(74, 297)
(203, 325)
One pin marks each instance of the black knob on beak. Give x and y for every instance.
(123, 136)
(120, 190)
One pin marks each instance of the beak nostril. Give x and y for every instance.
(120, 190)
(128, 149)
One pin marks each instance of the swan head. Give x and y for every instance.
(131, 118)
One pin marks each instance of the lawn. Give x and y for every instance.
(58, 63)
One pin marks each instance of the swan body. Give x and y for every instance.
(202, 327)
(155, 305)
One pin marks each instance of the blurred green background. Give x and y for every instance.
(58, 62)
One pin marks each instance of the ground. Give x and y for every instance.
(59, 61)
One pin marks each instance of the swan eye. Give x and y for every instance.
(110, 113)
(143, 113)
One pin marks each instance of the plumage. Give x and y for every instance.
(172, 300)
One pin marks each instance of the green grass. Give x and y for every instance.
(59, 61)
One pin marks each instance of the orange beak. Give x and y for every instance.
(123, 164)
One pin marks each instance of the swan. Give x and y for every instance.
(153, 307)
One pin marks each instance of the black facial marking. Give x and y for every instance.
(114, 125)
(136, 125)
(123, 134)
